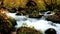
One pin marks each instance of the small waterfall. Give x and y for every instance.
(45, 14)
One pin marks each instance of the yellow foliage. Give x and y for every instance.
(40, 4)
(22, 3)
(58, 1)
(14, 3)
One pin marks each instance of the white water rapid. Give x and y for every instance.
(39, 24)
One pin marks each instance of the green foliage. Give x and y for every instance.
(35, 13)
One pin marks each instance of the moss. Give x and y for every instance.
(54, 18)
(28, 30)
(6, 23)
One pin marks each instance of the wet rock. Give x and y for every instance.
(18, 14)
(20, 8)
(54, 18)
(50, 31)
(49, 13)
(12, 10)
(27, 30)
(35, 16)
(54, 21)
(21, 13)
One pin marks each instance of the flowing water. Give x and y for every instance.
(39, 24)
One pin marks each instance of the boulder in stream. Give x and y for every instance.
(54, 18)
(28, 30)
(6, 23)
(50, 31)
(35, 14)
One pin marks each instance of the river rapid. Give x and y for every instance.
(39, 24)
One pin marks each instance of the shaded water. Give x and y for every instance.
(39, 24)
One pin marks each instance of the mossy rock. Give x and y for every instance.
(22, 13)
(54, 18)
(6, 23)
(35, 14)
(27, 30)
